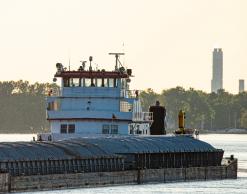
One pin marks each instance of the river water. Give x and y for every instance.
(232, 144)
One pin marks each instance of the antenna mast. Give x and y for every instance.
(117, 56)
(69, 63)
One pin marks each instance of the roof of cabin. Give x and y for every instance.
(92, 74)
(100, 147)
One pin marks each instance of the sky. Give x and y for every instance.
(167, 43)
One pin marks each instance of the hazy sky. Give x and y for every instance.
(167, 42)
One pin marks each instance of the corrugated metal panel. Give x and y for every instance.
(150, 144)
(100, 147)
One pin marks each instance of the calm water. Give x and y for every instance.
(232, 144)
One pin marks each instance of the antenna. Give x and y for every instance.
(90, 60)
(69, 63)
(83, 65)
(69, 56)
(123, 45)
(117, 55)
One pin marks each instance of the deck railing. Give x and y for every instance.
(142, 116)
(54, 92)
(129, 93)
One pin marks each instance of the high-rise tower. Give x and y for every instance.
(241, 85)
(217, 79)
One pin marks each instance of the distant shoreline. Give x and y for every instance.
(225, 131)
(219, 131)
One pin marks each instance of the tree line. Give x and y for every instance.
(23, 107)
(211, 111)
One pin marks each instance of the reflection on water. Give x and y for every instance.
(232, 144)
(16, 137)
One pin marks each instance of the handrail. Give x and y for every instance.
(142, 116)
(54, 92)
(129, 93)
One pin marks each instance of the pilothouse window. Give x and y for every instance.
(99, 82)
(74, 82)
(111, 83)
(105, 82)
(90, 82)
(87, 82)
(65, 82)
(82, 82)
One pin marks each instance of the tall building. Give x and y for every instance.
(217, 79)
(241, 85)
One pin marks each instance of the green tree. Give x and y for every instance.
(148, 98)
(243, 119)
(223, 105)
(7, 88)
(199, 109)
(174, 100)
(23, 106)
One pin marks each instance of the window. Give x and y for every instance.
(82, 82)
(125, 106)
(74, 82)
(65, 82)
(63, 128)
(87, 82)
(111, 83)
(105, 81)
(99, 82)
(71, 128)
(105, 129)
(50, 106)
(53, 105)
(114, 129)
(118, 83)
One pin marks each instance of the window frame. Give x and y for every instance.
(87, 82)
(99, 82)
(105, 82)
(105, 129)
(78, 82)
(114, 129)
(63, 128)
(66, 82)
(69, 128)
(111, 83)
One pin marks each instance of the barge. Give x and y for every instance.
(100, 136)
